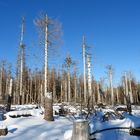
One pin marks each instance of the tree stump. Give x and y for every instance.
(48, 115)
(3, 131)
(80, 130)
(134, 131)
(1, 116)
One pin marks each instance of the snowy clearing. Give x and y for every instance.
(34, 127)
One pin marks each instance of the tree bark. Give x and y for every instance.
(48, 96)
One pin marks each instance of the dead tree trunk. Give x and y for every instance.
(48, 96)
(22, 66)
(69, 84)
(66, 92)
(89, 81)
(130, 88)
(84, 68)
(1, 83)
(80, 130)
(75, 88)
(110, 72)
(117, 94)
(50, 30)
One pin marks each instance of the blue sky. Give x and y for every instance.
(111, 27)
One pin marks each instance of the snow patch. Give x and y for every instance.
(68, 135)
(2, 126)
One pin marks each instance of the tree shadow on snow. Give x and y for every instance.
(12, 130)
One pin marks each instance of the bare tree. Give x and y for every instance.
(84, 68)
(117, 95)
(50, 30)
(130, 86)
(20, 93)
(75, 84)
(127, 95)
(98, 93)
(68, 63)
(64, 84)
(110, 73)
(1, 72)
(89, 95)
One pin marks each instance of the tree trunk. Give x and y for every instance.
(75, 89)
(98, 93)
(69, 88)
(89, 76)
(84, 67)
(48, 96)
(109, 67)
(1, 83)
(48, 107)
(130, 87)
(66, 92)
(117, 94)
(80, 130)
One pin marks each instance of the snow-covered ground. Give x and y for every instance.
(34, 127)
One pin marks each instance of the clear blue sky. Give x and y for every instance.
(111, 26)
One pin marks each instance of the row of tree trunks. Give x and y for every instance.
(35, 84)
